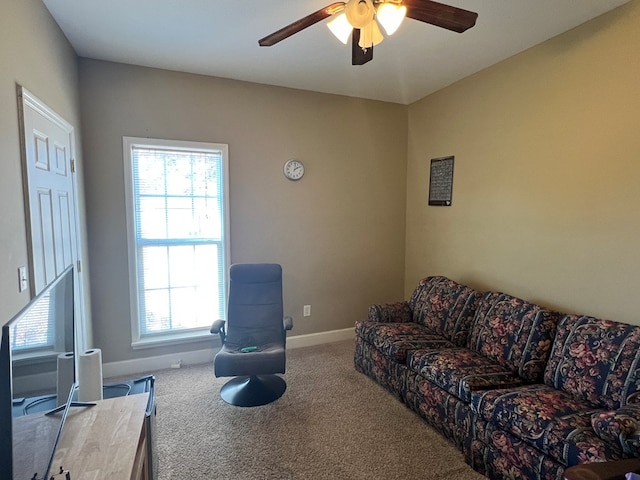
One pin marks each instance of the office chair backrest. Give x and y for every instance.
(255, 312)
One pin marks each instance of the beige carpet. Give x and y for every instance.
(331, 423)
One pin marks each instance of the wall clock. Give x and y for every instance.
(293, 169)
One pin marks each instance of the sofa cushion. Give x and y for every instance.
(499, 455)
(460, 371)
(445, 412)
(598, 360)
(396, 339)
(445, 307)
(620, 427)
(514, 333)
(388, 373)
(553, 421)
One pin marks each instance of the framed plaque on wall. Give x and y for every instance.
(441, 181)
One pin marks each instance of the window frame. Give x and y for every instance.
(137, 339)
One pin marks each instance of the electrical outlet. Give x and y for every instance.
(306, 311)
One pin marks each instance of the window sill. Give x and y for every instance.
(163, 340)
(33, 358)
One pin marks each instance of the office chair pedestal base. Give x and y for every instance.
(253, 391)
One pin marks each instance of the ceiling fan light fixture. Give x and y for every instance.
(370, 35)
(360, 13)
(390, 15)
(341, 28)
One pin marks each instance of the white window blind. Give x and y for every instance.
(36, 329)
(180, 235)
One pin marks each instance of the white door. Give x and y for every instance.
(50, 199)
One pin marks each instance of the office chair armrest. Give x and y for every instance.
(218, 327)
(288, 323)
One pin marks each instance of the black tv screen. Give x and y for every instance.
(34, 343)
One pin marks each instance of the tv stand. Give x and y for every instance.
(108, 440)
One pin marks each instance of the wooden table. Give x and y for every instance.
(106, 441)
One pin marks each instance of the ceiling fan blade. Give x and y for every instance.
(301, 24)
(359, 55)
(440, 15)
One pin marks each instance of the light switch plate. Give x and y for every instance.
(23, 281)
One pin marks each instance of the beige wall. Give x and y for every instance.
(35, 54)
(546, 201)
(338, 233)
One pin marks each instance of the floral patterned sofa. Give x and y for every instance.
(523, 391)
(438, 315)
(586, 410)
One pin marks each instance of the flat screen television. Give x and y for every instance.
(32, 409)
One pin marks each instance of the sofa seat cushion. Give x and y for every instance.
(621, 427)
(500, 455)
(443, 411)
(460, 371)
(396, 339)
(550, 420)
(505, 456)
(388, 373)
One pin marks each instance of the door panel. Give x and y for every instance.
(65, 248)
(50, 199)
(49, 170)
(42, 237)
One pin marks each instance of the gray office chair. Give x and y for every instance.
(253, 345)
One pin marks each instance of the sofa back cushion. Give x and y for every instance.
(597, 360)
(514, 333)
(417, 295)
(445, 307)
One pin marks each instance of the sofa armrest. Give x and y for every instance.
(620, 427)
(615, 470)
(399, 312)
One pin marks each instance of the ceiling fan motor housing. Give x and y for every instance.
(360, 13)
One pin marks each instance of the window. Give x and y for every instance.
(44, 327)
(177, 214)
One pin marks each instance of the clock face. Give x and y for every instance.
(293, 169)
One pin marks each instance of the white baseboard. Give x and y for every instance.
(319, 338)
(26, 384)
(159, 362)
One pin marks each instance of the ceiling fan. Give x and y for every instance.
(360, 19)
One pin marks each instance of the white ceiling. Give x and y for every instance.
(220, 38)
